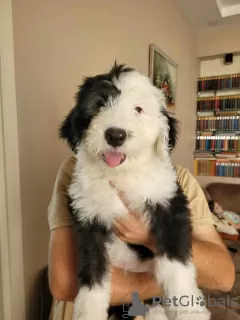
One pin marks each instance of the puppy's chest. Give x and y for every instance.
(96, 198)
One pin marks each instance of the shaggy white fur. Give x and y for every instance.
(146, 175)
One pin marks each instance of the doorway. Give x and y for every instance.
(12, 300)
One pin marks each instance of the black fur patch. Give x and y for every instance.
(91, 97)
(171, 226)
(92, 238)
(173, 129)
(143, 252)
(93, 257)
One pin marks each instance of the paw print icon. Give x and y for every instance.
(200, 301)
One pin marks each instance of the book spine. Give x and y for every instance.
(219, 168)
(228, 82)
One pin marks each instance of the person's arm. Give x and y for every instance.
(124, 283)
(63, 264)
(215, 269)
(211, 259)
(63, 272)
(62, 255)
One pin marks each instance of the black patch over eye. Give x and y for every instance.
(139, 109)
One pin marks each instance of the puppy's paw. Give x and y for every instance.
(89, 315)
(91, 304)
(156, 313)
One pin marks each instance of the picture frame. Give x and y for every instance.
(163, 74)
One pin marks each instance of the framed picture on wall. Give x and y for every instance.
(163, 73)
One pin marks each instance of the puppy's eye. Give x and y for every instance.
(139, 109)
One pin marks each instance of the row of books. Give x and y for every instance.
(218, 123)
(218, 143)
(220, 168)
(222, 103)
(228, 82)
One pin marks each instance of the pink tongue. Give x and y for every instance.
(113, 159)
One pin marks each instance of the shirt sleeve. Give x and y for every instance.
(58, 212)
(200, 213)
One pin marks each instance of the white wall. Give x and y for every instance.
(222, 40)
(56, 44)
(216, 67)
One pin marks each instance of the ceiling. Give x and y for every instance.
(204, 15)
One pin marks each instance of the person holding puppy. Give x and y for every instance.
(210, 255)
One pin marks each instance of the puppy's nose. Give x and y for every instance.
(115, 136)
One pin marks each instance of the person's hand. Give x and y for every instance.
(131, 228)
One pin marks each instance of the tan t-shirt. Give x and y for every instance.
(58, 214)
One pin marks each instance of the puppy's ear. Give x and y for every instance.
(168, 136)
(173, 125)
(167, 139)
(67, 130)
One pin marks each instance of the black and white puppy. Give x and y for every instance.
(120, 132)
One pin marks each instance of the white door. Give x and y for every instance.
(12, 300)
(1, 292)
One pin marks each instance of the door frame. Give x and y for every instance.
(11, 241)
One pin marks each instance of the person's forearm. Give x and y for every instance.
(210, 273)
(62, 263)
(124, 283)
(215, 269)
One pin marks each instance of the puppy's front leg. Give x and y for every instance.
(171, 227)
(178, 281)
(92, 303)
(93, 299)
(156, 313)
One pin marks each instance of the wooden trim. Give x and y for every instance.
(11, 242)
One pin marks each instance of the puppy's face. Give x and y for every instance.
(119, 117)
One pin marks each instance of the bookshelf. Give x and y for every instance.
(218, 127)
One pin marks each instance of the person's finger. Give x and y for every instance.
(131, 221)
(123, 232)
(120, 227)
(125, 222)
(117, 232)
(120, 235)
